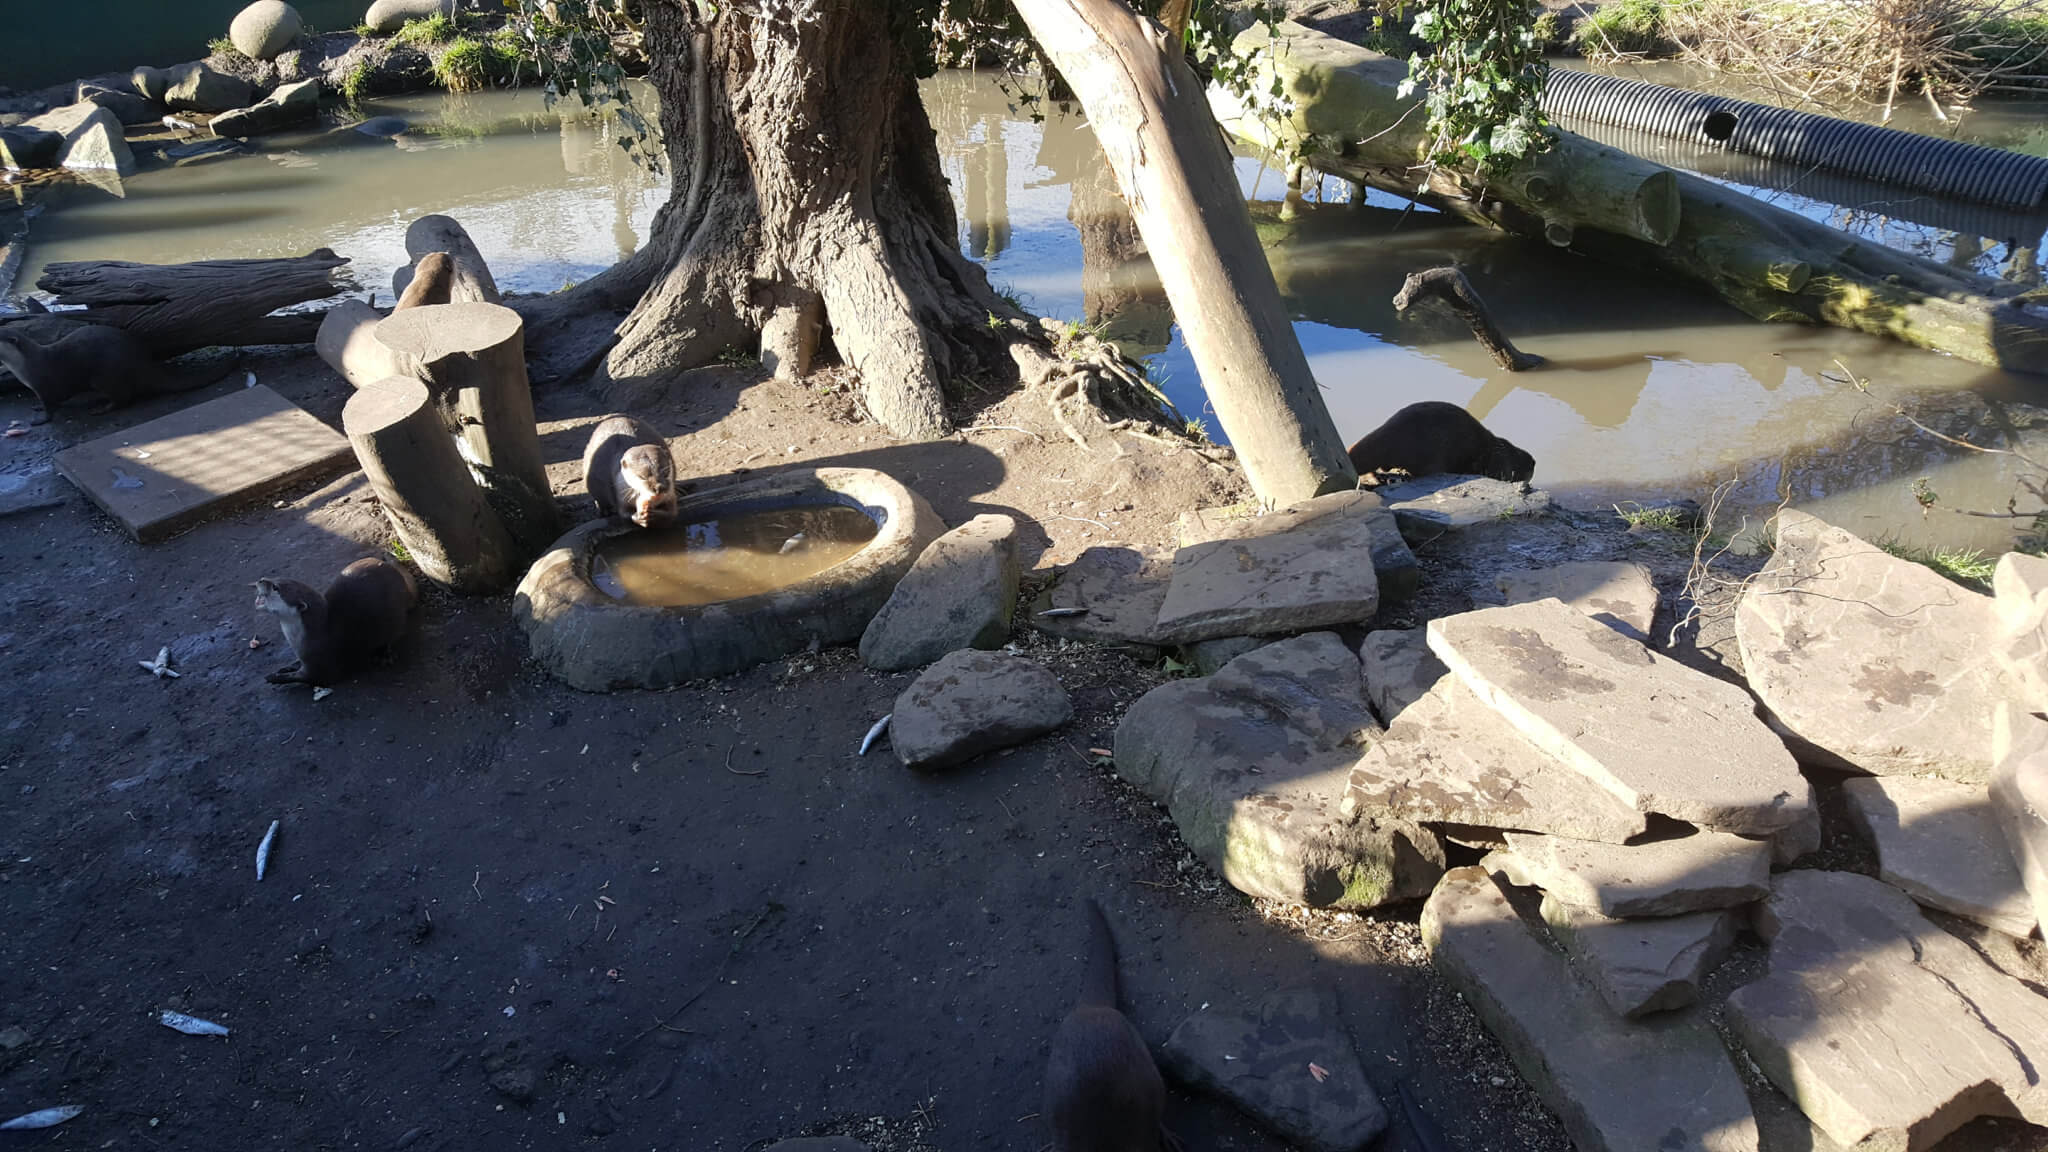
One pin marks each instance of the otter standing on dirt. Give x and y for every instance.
(1102, 1091)
(629, 472)
(365, 611)
(90, 360)
(1433, 438)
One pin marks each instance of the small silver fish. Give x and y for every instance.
(42, 1118)
(792, 544)
(875, 734)
(263, 850)
(1057, 613)
(190, 1025)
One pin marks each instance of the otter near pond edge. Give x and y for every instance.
(1435, 438)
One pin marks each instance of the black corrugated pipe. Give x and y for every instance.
(1905, 159)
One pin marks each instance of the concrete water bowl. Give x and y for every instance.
(598, 643)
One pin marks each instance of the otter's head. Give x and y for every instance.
(1506, 462)
(649, 485)
(286, 599)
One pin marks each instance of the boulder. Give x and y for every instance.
(1658, 735)
(1392, 561)
(1429, 506)
(1695, 872)
(1617, 593)
(1797, 840)
(1646, 965)
(1872, 662)
(93, 138)
(1288, 572)
(1448, 758)
(1209, 656)
(2019, 587)
(1664, 1082)
(195, 87)
(127, 107)
(959, 594)
(391, 15)
(1108, 595)
(974, 702)
(1886, 1031)
(1262, 1063)
(264, 29)
(1251, 765)
(290, 104)
(1938, 842)
(22, 146)
(153, 84)
(2019, 801)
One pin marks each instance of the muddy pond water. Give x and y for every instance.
(744, 554)
(1654, 388)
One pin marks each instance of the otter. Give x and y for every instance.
(1102, 1091)
(364, 612)
(91, 360)
(1433, 438)
(629, 472)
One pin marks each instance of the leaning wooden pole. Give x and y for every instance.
(1161, 139)
(425, 488)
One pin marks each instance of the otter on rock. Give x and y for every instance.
(91, 360)
(1102, 1091)
(629, 472)
(1433, 438)
(364, 612)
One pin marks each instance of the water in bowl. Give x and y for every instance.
(729, 557)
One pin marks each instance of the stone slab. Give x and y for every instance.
(960, 593)
(24, 147)
(1617, 1085)
(25, 492)
(2019, 801)
(2019, 589)
(1429, 506)
(289, 104)
(1291, 573)
(93, 138)
(1209, 656)
(1888, 1032)
(1392, 561)
(1873, 662)
(973, 702)
(1116, 591)
(1617, 593)
(1642, 966)
(196, 87)
(1448, 758)
(1697, 872)
(162, 477)
(1655, 733)
(1251, 765)
(1263, 1063)
(1939, 842)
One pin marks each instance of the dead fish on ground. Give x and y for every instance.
(263, 850)
(161, 666)
(875, 734)
(1057, 613)
(189, 1025)
(42, 1118)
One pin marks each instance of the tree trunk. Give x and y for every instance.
(426, 491)
(1168, 156)
(174, 308)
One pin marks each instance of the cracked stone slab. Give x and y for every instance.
(1873, 662)
(1658, 735)
(1617, 593)
(1288, 571)
(1392, 561)
(2019, 587)
(1642, 966)
(1267, 1062)
(1888, 1032)
(1448, 758)
(1939, 842)
(1665, 1082)
(1698, 872)
(1251, 765)
(2019, 800)
(972, 702)
(1430, 506)
(1113, 594)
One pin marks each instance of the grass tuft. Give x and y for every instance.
(1969, 567)
(435, 29)
(1628, 28)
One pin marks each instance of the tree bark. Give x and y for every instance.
(1450, 286)
(472, 358)
(1164, 146)
(469, 280)
(426, 490)
(347, 341)
(174, 308)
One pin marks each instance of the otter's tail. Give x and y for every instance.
(1100, 985)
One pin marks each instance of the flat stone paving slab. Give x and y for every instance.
(1617, 1085)
(1698, 872)
(1392, 561)
(162, 477)
(1876, 662)
(1646, 965)
(1617, 593)
(1658, 735)
(1447, 757)
(1288, 572)
(1939, 842)
(1112, 593)
(972, 702)
(1267, 1064)
(1888, 1032)
(1429, 506)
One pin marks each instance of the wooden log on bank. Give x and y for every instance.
(1449, 286)
(437, 509)
(175, 308)
(347, 339)
(472, 358)
(1770, 263)
(469, 280)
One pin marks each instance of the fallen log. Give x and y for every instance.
(1770, 263)
(347, 339)
(1450, 286)
(469, 280)
(437, 509)
(175, 308)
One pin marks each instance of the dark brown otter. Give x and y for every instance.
(629, 472)
(1102, 1091)
(1433, 438)
(337, 634)
(91, 360)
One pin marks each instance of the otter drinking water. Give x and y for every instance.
(364, 612)
(629, 472)
(91, 360)
(1433, 438)
(1102, 1091)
